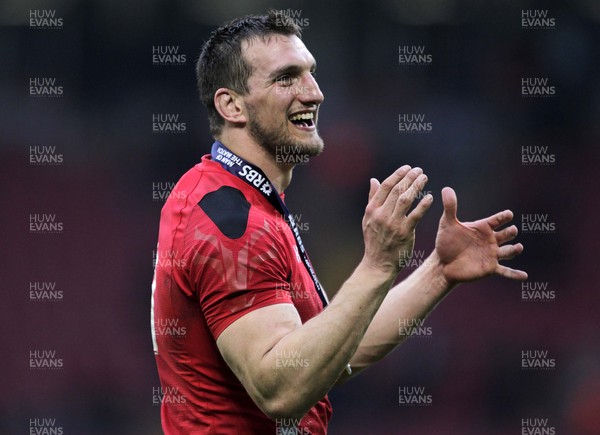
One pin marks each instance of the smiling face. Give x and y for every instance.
(283, 99)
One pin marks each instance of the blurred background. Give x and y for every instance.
(80, 91)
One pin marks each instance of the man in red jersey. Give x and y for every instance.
(245, 339)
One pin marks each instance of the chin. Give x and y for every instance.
(313, 147)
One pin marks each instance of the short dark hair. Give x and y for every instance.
(221, 63)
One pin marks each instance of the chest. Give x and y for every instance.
(300, 285)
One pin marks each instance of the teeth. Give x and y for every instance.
(300, 116)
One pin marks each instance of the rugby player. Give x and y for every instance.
(258, 345)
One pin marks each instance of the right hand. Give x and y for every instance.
(388, 230)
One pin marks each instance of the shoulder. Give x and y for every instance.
(237, 220)
(236, 214)
(210, 204)
(228, 209)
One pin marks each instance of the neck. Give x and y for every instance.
(279, 174)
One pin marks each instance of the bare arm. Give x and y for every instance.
(259, 346)
(463, 252)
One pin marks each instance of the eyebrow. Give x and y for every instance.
(290, 69)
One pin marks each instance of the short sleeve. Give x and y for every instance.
(232, 277)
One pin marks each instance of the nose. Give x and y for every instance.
(310, 93)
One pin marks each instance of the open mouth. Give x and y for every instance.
(303, 120)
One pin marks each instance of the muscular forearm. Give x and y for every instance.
(324, 345)
(412, 299)
(264, 346)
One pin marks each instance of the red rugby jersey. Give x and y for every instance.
(223, 251)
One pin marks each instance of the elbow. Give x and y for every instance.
(284, 407)
(284, 397)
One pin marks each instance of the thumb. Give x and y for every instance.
(374, 187)
(450, 203)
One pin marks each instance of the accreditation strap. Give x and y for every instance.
(256, 178)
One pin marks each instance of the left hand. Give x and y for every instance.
(472, 250)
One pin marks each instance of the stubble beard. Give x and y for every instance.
(278, 141)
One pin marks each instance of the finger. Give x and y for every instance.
(408, 190)
(450, 203)
(397, 194)
(508, 252)
(499, 219)
(419, 211)
(374, 185)
(506, 235)
(509, 273)
(409, 179)
(388, 184)
(406, 199)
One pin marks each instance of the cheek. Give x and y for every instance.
(277, 111)
(273, 108)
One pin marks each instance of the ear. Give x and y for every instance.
(230, 106)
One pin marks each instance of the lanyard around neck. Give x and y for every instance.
(256, 178)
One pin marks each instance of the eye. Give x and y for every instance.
(285, 80)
